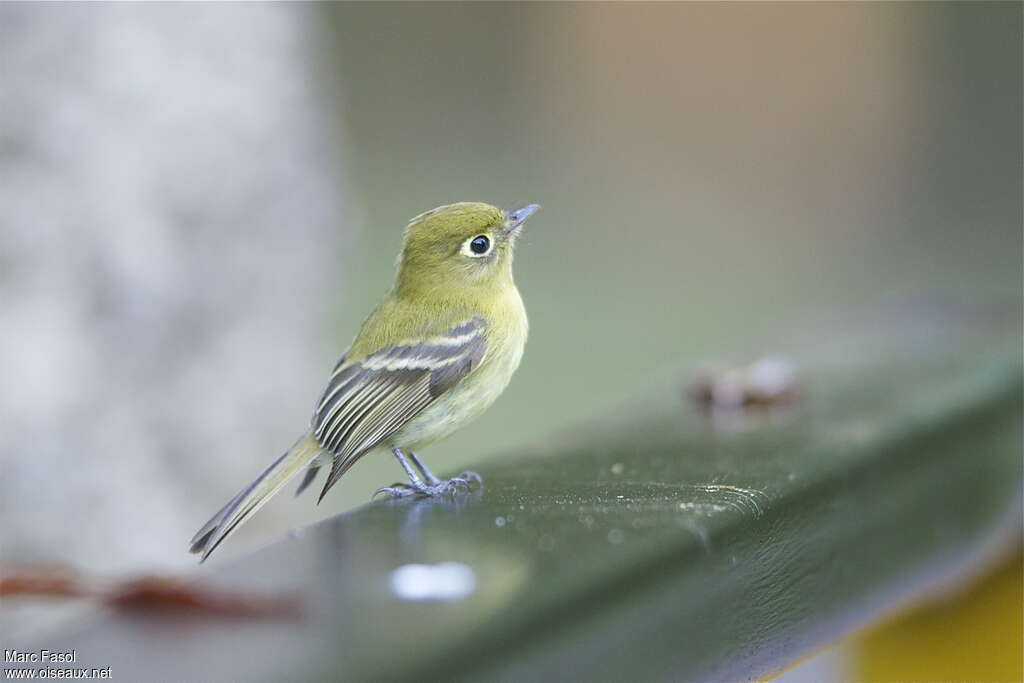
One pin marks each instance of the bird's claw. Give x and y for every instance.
(455, 485)
(396, 490)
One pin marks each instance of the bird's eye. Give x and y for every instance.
(477, 246)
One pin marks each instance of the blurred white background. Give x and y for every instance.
(171, 233)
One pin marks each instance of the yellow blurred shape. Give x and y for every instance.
(977, 635)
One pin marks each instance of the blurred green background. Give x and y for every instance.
(200, 204)
(708, 173)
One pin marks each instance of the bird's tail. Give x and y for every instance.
(252, 497)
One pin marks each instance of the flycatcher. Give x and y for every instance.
(436, 352)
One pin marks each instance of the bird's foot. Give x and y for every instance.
(427, 485)
(426, 490)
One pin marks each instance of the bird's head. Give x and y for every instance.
(466, 246)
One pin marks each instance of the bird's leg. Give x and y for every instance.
(428, 485)
(409, 471)
(427, 474)
(464, 478)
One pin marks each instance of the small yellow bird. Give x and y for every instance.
(434, 354)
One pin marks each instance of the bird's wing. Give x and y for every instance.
(368, 400)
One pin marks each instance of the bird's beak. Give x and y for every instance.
(519, 216)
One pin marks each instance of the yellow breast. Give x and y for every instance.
(506, 337)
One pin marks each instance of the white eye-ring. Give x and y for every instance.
(476, 247)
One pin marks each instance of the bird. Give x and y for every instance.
(435, 353)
